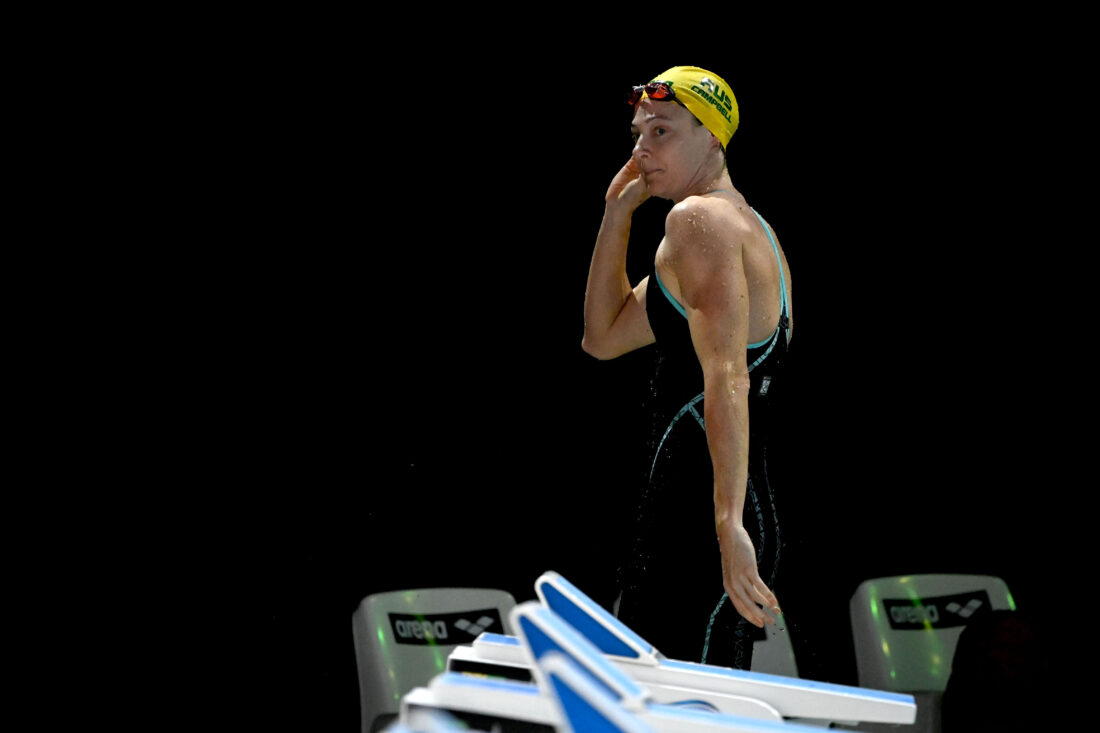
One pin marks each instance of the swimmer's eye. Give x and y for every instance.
(657, 132)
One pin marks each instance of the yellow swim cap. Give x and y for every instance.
(707, 96)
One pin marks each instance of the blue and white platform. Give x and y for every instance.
(723, 690)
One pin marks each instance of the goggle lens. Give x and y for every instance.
(659, 90)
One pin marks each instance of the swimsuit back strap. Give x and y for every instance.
(778, 259)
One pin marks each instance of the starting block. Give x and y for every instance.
(578, 688)
(668, 682)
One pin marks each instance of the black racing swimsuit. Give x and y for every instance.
(672, 592)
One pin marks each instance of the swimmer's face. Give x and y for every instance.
(673, 150)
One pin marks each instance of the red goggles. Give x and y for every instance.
(660, 90)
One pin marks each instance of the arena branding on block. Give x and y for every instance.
(938, 612)
(444, 628)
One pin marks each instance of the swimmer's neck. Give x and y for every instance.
(709, 184)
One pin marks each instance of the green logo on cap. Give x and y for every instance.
(722, 103)
(716, 91)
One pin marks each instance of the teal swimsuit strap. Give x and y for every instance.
(778, 259)
(675, 303)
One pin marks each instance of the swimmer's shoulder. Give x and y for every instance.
(702, 244)
(719, 223)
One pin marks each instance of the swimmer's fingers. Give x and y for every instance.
(626, 175)
(749, 596)
(628, 188)
(763, 595)
(750, 611)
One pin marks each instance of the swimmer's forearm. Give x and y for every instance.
(727, 435)
(726, 413)
(608, 285)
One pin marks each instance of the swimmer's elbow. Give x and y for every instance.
(725, 378)
(589, 347)
(597, 348)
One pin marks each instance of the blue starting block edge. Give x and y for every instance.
(491, 638)
(603, 630)
(588, 708)
(789, 682)
(583, 704)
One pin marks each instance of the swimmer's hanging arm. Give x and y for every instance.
(615, 320)
(709, 270)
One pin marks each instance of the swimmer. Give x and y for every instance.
(717, 305)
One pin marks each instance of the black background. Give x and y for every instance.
(397, 394)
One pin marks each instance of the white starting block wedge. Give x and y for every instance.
(669, 682)
(483, 703)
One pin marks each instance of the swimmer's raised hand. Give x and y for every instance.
(628, 189)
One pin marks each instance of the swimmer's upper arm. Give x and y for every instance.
(629, 331)
(711, 275)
